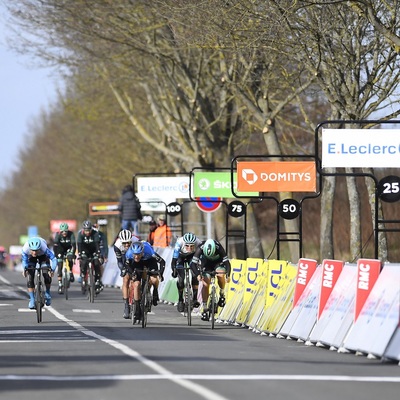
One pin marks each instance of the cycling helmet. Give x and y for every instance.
(87, 225)
(137, 248)
(63, 227)
(209, 248)
(189, 238)
(125, 235)
(34, 243)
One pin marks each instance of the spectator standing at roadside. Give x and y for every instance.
(162, 234)
(152, 229)
(129, 208)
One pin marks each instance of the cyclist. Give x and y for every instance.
(138, 256)
(184, 250)
(103, 246)
(36, 250)
(64, 247)
(211, 256)
(89, 250)
(121, 245)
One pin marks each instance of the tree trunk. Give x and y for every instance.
(327, 200)
(355, 213)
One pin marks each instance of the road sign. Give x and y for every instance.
(174, 209)
(236, 209)
(208, 204)
(389, 189)
(289, 209)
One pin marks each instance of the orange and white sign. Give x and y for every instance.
(276, 176)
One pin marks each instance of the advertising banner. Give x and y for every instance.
(162, 187)
(357, 148)
(55, 224)
(305, 269)
(216, 184)
(367, 274)
(279, 176)
(331, 271)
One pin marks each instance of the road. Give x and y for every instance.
(87, 350)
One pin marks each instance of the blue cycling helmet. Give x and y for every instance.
(137, 248)
(34, 243)
(209, 248)
(189, 238)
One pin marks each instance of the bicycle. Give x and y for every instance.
(65, 278)
(88, 283)
(212, 303)
(187, 294)
(91, 282)
(39, 290)
(146, 301)
(132, 304)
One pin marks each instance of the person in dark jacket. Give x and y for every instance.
(129, 208)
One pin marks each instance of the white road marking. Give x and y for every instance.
(80, 310)
(189, 385)
(69, 340)
(183, 377)
(33, 331)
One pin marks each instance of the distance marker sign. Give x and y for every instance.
(236, 209)
(389, 189)
(174, 209)
(208, 204)
(289, 209)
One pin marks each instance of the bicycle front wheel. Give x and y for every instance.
(144, 304)
(38, 300)
(212, 307)
(91, 284)
(188, 304)
(65, 282)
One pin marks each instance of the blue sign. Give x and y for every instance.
(33, 231)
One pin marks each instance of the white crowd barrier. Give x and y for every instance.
(340, 306)
(344, 307)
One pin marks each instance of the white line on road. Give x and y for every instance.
(183, 377)
(69, 340)
(189, 385)
(33, 331)
(80, 310)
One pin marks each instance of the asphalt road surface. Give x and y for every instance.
(85, 350)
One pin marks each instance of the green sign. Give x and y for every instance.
(23, 239)
(216, 184)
